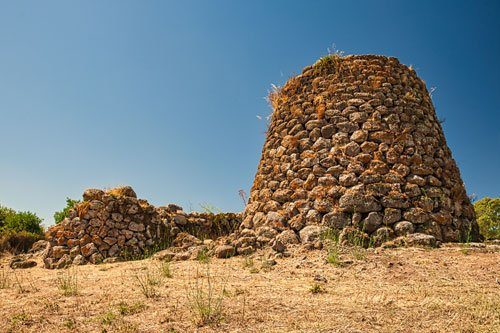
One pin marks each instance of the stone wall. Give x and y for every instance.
(201, 225)
(354, 144)
(105, 224)
(115, 224)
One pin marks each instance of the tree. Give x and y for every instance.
(488, 217)
(61, 215)
(4, 212)
(23, 221)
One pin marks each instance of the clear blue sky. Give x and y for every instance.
(163, 95)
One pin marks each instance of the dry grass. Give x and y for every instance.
(67, 282)
(273, 97)
(149, 281)
(118, 192)
(393, 290)
(82, 208)
(205, 299)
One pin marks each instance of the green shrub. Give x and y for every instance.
(4, 212)
(18, 230)
(61, 215)
(488, 217)
(23, 221)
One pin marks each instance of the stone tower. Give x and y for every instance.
(354, 143)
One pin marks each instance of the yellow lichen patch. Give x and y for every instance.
(308, 154)
(120, 191)
(290, 141)
(376, 82)
(320, 111)
(296, 110)
(82, 208)
(320, 107)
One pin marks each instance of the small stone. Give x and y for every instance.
(96, 258)
(88, 249)
(79, 260)
(114, 250)
(372, 222)
(164, 255)
(136, 227)
(391, 215)
(245, 250)
(320, 278)
(92, 194)
(19, 262)
(313, 217)
(404, 228)
(354, 236)
(322, 205)
(278, 246)
(382, 235)
(133, 209)
(59, 251)
(110, 260)
(395, 200)
(64, 262)
(39, 246)
(276, 220)
(174, 208)
(336, 219)
(311, 233)
(327, 131)
(348, 179)
(297, 222)
(180, 219)
(224, 251)
(182, 256)
(418, 239)
(110, 240)
(288, 237)
(282, 195)
(74, 251)
(353, 201)
(355, 102)
(359, 136)
(416, 216)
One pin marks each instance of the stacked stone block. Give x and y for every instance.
(105, 224)
(354, 143)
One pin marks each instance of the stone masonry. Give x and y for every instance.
(105, 224)
(354, 144)
(115, 224)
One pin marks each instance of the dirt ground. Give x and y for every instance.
(451, 289)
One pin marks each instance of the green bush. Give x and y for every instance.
(18, 230)
(488, 217)
(23, 221)
(4, 212)
(61, 215)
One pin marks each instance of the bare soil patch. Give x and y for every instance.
(451, 289)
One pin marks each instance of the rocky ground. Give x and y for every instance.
(450, 289)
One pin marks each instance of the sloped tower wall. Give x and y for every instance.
(355, 142)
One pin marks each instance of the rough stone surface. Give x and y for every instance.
(115, 224)
(105, 224)
(404, 228)
(416, 239)
(21, 261)
(311, 233)
(354, 142)
(224, 251)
